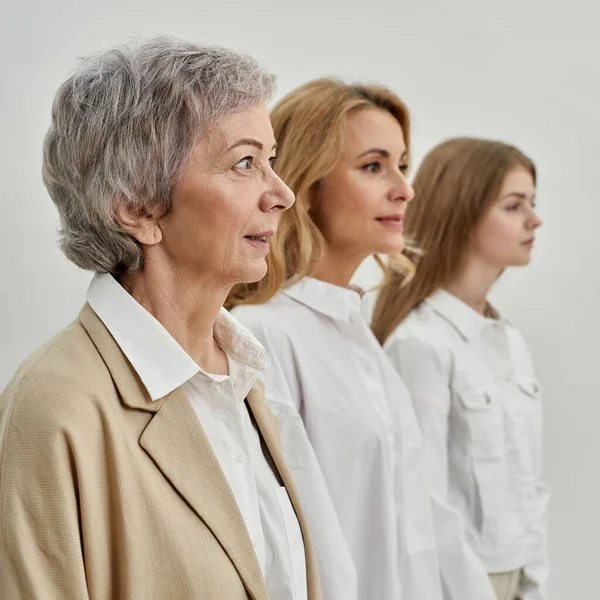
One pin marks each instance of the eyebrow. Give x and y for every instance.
(519, 196)
(381, 152)
(250, 142)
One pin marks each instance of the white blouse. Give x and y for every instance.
(352, 442)
(480, 410)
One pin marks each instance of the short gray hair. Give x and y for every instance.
(123, 126)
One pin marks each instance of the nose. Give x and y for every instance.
(401, 190)
(534, 220)
(278, 197)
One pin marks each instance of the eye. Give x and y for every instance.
(403, 169)
(272, 161)
(513, 207)
(374, 167)
(245, 163)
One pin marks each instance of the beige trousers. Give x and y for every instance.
(507, 585)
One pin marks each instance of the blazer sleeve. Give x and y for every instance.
(426, 372)
(41, 553)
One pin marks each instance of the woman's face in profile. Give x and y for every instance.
(506, 235)
(226, 204)
(359, 205)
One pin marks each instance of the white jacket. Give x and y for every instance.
(480, 410)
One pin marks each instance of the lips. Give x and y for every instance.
(259, 240)
(390, 218)
(392, 221)
(260, 235)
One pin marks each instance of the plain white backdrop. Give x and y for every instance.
(525, 71)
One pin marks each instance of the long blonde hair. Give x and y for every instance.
(455, 186)
(309, 126)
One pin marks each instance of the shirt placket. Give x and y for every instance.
(235, 436)
(376, 392)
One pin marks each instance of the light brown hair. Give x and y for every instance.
(455, 186)
(309, 125)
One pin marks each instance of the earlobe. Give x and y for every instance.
(143, 227)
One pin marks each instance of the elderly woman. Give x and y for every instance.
(139, 459)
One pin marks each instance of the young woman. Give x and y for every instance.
(469, 371)
(349, 431)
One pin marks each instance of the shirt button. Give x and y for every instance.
(239, 457)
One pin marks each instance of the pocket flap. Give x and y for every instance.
(530, 386)
(475, 399)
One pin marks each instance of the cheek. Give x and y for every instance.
(508, 230)
(208, 224)
(499, 235)
(347, 209)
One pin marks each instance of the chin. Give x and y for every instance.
(517, 261)
(394, 247)
(524, 259)
(254, 273)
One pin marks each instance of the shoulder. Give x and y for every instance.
(54, 389)
(276, 320)
(425, 332)
(416, 354)
(519, 349)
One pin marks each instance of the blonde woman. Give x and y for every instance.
(469, 371)
(349, 431)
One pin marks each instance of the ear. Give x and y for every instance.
(142, 226)
(313, 196)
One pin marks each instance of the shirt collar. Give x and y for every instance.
(161, 363)
(467, 321)
(331, 300)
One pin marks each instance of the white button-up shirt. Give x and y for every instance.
(352, 442)
(480, 410)
(219, 403)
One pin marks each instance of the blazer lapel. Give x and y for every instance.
(267, 424)
(177, 443)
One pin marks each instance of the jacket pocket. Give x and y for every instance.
(482, 412)
(485, 449)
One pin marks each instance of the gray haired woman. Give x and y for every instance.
(139, 459)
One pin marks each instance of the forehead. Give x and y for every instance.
(518, 181)
(251, 123)
(374, 128)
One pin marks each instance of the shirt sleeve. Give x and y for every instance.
(283, 392)
(40, 538)
(426, 372)
(535, 574)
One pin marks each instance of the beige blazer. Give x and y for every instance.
(105, 494)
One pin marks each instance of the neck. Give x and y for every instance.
(338, 267)
(473, 284)
(186, 305)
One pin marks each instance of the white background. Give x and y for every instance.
(522, 71)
